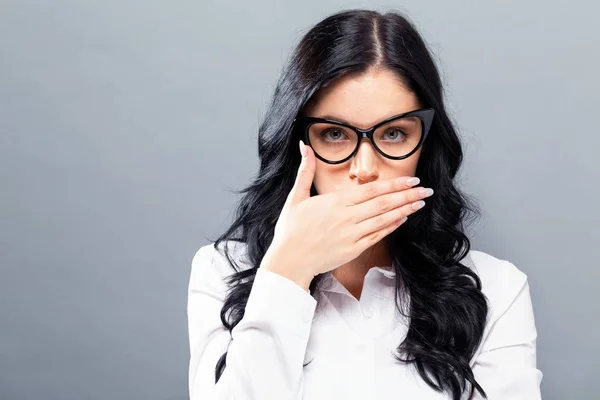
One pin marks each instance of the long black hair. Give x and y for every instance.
(441, 296)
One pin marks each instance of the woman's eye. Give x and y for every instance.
(333, 134)
(394, 134)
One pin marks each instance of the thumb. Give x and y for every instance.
(306, 174)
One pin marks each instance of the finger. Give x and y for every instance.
(387, 202)
(305, 175)
(373, 189)
(380, 221)
(375, 237)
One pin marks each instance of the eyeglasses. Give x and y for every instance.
(396, 138)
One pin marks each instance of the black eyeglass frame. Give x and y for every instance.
(424, 114)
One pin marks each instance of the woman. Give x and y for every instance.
(346, 284)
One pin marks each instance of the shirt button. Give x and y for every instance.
(306, 317)
(368, 313)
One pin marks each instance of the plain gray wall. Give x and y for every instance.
(126, 124)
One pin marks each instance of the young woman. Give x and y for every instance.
(347, 273)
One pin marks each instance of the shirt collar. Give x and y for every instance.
(388, 272)
(330, 284)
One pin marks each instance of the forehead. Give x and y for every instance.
(363, 100)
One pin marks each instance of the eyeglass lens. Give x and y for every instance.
(336, 142)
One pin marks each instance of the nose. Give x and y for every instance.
(365, 163)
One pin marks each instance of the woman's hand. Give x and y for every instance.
(317, 234)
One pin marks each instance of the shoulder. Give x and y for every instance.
(501, 280)
(509, 339)
(210, 264)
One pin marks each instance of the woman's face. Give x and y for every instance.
(363, 101)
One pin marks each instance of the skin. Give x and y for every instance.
(363, 101)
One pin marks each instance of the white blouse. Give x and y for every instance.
(349, 342)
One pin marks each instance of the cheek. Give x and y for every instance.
(329, 179)
(320, 182)
(408, 166)
(392, 169)
(412, 168)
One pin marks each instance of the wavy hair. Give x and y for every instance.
(441, 297)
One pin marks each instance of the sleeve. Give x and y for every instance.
(506, 365)
(266, 349)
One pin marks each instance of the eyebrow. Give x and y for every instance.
(327, 116)
(344, 121)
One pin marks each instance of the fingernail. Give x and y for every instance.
(425, 192)
(302, 149)
(418, 205)
(412, 182)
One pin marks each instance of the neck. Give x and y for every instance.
(352, 274)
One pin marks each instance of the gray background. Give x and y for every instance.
(126, 124)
